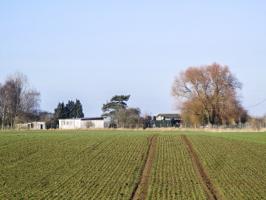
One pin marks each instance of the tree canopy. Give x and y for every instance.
(116, 103)
(209, 95)
(70, 110)
(119, 113)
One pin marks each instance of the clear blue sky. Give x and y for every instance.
(91, 50)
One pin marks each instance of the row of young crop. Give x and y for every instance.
(111, 172)
(36, 173)
(21, 146)
(236, 167)
(173, 176)
(9, 139)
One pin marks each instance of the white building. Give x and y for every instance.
(83, 123)
(32, 125)
(168, 117)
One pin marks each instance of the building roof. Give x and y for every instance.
(169, 115)
(84, 119)
(92, 118)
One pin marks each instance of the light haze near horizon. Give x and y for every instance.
(92, 50)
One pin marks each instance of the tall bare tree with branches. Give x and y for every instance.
(17, 100)
(209, 95)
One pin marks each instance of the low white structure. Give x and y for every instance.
(32, 125)
(83, 123)
(168, 116)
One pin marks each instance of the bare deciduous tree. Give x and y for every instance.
(128, 117)
(208, 95)
(30, 101)
(16, 99)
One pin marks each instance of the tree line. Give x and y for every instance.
(116, 111)
(206, 96)
(73, 109)
(19, 103)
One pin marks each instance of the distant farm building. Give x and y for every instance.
(32, 126)
(167, 120)
(83, 123)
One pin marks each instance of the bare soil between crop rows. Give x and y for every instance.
(211, 192)
(141, 190)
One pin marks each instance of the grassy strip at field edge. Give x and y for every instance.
(208, 186)
(251, 137)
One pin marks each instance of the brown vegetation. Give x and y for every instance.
(208, 95)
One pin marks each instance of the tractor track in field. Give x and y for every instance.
(211, 192)
(141, 189)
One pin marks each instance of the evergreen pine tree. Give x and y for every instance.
(78, 109)
(70, 109)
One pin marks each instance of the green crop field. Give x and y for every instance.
(132, 165)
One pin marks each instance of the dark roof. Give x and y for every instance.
(169, 115)
(92, 118)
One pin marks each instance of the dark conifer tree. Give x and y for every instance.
(78, 109)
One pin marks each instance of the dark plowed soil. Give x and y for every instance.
(141, 189)
(211, 192)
